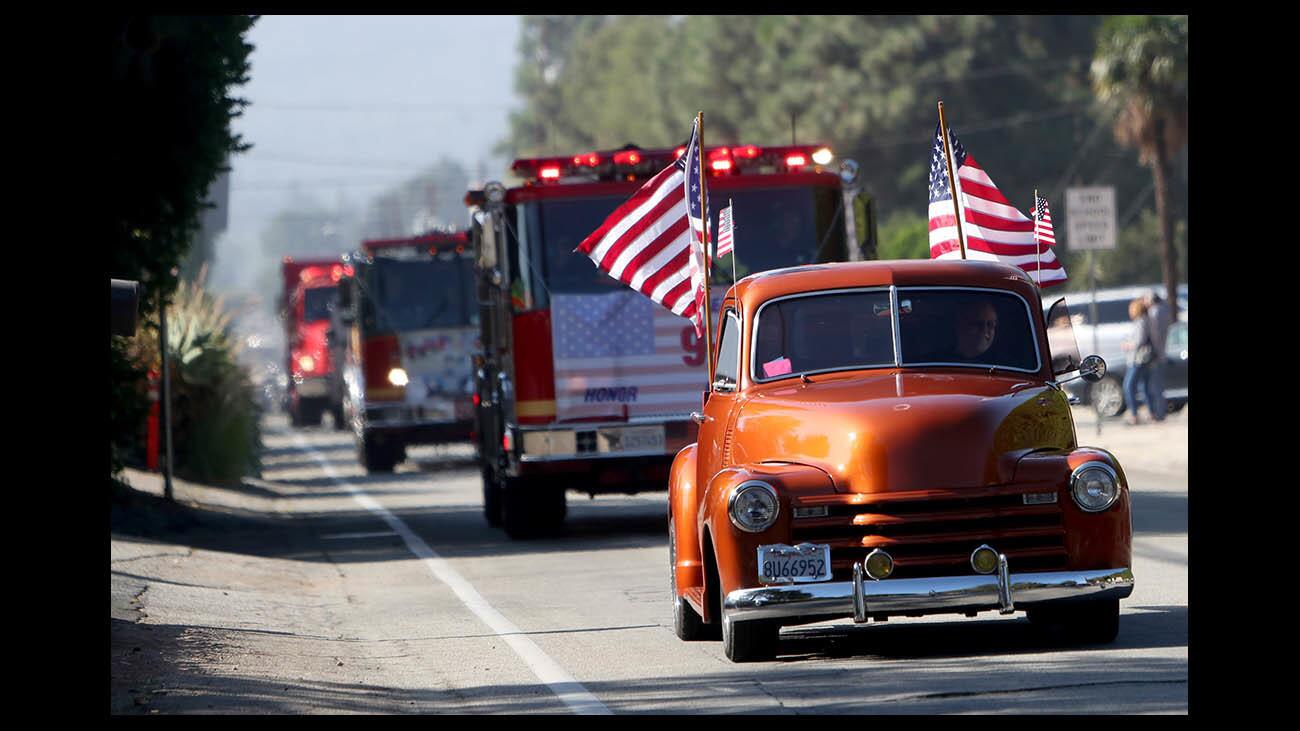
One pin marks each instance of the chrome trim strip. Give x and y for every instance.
(894, 323)
(585, 456)
(926, 596)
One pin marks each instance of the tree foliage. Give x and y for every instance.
(1016, 89)
(1140, 72)
(168, 122)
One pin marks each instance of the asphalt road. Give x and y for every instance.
(322, 589)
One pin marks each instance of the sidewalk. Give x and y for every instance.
(1147, 447)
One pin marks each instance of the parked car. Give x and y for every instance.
(888, 438)
(1111, 329)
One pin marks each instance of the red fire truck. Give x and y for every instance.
(406, 330)
(582, 383)
(306, 301)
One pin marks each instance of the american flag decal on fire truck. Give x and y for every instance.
(620, 354)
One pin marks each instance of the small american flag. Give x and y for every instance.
(1043, 232)
(726, 233)
(994, 229)
(647, 242)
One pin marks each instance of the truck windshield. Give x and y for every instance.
(852, 330)
(317, 303)
(775, 227)
(416, 295)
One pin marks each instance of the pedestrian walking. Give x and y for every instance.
(1160, 317)
(1139, 354)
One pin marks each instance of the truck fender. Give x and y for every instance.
(736, 551)
(683, 508)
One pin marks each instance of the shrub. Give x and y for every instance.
(215, 432)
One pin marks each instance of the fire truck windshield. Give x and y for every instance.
(317, 303)
(406, 295)
(775, 227)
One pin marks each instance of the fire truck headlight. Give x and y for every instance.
(822, 156)
(397, 377)
(307, 363)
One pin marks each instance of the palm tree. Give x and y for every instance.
(1141, 67)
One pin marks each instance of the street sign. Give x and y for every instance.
(1090, 218)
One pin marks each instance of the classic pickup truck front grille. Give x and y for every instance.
(934, 535)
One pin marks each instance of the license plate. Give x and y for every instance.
(781, 564)
(631, 439)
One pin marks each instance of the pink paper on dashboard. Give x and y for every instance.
(778, 367)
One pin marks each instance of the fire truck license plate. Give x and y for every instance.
(779, 564)
(631, 439)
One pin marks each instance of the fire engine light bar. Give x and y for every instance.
(748, 152)
(822, 156)
(551, 172)
(590, 159)
(628, 157)
(795, 161)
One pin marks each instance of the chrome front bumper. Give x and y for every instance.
(863, 597)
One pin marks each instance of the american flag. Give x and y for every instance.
(726, 233)
(617, 355)
(646, 243)
(1043, 232)
(994, 229)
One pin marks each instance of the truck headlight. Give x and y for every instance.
(397, 377)
(1095, 486)
(306, 362)
(753, 506)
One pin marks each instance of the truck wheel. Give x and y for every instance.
(311, 413)
(491, 497)
(529, 508)
(686, 623)
(1107, 396)
(377, 457)
(748, 641)
(1094, 622)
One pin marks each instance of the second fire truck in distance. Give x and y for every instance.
(406, 329)
(583, 383)
(306, 303)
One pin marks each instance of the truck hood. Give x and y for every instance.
(905, 431)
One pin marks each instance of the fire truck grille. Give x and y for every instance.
(935, 537)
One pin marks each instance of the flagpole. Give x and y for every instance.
(704, 248)
(1038, 244)
(732, 206)
(952, 179)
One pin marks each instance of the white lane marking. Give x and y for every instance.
(344, 536)
(569, 690)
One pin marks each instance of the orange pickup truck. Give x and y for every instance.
(890, 438)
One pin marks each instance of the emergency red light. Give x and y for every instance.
(796, 160)
(551, 172)
(336, 272)
(679, 152)
(721, 165)
(590, 159)
(748, 152)
(627, 157)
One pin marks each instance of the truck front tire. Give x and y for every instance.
(378, 456)
(530, 508)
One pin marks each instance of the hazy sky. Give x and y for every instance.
(342, 107)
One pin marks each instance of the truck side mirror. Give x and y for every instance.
(124, 305)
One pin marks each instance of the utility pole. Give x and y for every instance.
(166, 397)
